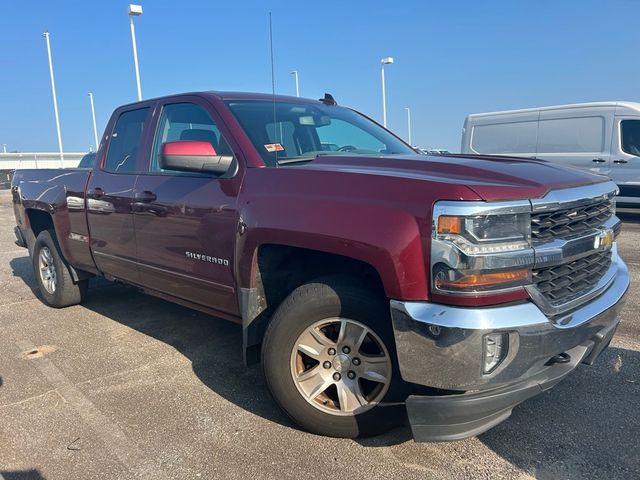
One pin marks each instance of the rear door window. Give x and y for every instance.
(124, 144)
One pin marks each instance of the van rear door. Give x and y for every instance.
(576, 136)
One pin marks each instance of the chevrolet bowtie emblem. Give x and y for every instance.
(604, 240)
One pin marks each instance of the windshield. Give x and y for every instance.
(302, 132)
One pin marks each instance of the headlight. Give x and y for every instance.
(480, 248)
(486, 233)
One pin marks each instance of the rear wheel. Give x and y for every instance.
(52, 273)
(329, 360)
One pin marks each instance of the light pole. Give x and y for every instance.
(55, 99)
(409, 123)
(383, 62)
(135, 11)
(295, 74)
(93, 116)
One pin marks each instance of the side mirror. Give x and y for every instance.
(193, 156)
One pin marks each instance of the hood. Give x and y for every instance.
(490, 177)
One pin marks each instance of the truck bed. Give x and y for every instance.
(61, 194)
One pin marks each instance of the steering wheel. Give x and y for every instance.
(347, 148)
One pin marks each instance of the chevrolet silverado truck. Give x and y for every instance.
(371, 282)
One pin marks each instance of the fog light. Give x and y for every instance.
(495, 349)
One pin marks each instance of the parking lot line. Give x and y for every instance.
(113, 438)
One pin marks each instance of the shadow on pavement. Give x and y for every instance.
(23, 268)
(21, 475)
(587, 425)
(211, 344)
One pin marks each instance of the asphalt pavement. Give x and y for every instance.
(129, 386)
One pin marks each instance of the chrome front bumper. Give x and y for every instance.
(441, 346)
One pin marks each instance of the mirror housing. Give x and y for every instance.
(193, 156)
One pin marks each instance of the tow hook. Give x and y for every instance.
(563, 357)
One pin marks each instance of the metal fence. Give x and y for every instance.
(9, 162)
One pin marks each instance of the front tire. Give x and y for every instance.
(329, 360)
(52, 273)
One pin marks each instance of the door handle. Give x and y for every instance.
(145, 197)
(620, 161)
(598, 160)
(97, 192)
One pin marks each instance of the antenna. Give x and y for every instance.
(273, 82)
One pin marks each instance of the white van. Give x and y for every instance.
(603, 137)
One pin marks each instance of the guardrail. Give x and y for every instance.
(15, 161)
(10, 162)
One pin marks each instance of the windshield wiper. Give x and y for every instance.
(285, 161)
(313, 155)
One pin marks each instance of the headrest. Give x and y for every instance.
(201, 134)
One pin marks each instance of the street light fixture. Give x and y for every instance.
(135, 11)
(409, 123)
(383, 62)
(93, 116)
(55, 99)
(295, 74)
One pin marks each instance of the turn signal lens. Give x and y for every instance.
(449, 225)
(481, 280)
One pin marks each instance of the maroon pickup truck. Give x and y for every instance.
(371, 282)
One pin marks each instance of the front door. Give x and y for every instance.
(625, 154)
(110, 195)
(186, 223)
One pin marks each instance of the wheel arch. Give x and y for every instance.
(276, 270)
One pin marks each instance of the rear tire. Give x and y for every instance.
(53, 275)
(303, 353)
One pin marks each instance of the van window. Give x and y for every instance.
(630, 137)
(124, 145)
(571, 135)
(516, 137)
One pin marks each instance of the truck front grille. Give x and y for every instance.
(569, 222)
(562, 283)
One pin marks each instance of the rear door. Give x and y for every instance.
(110, 194)
(186, 223)
(578, 137)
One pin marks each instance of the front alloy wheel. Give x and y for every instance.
(329, 361)
(341, 366)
